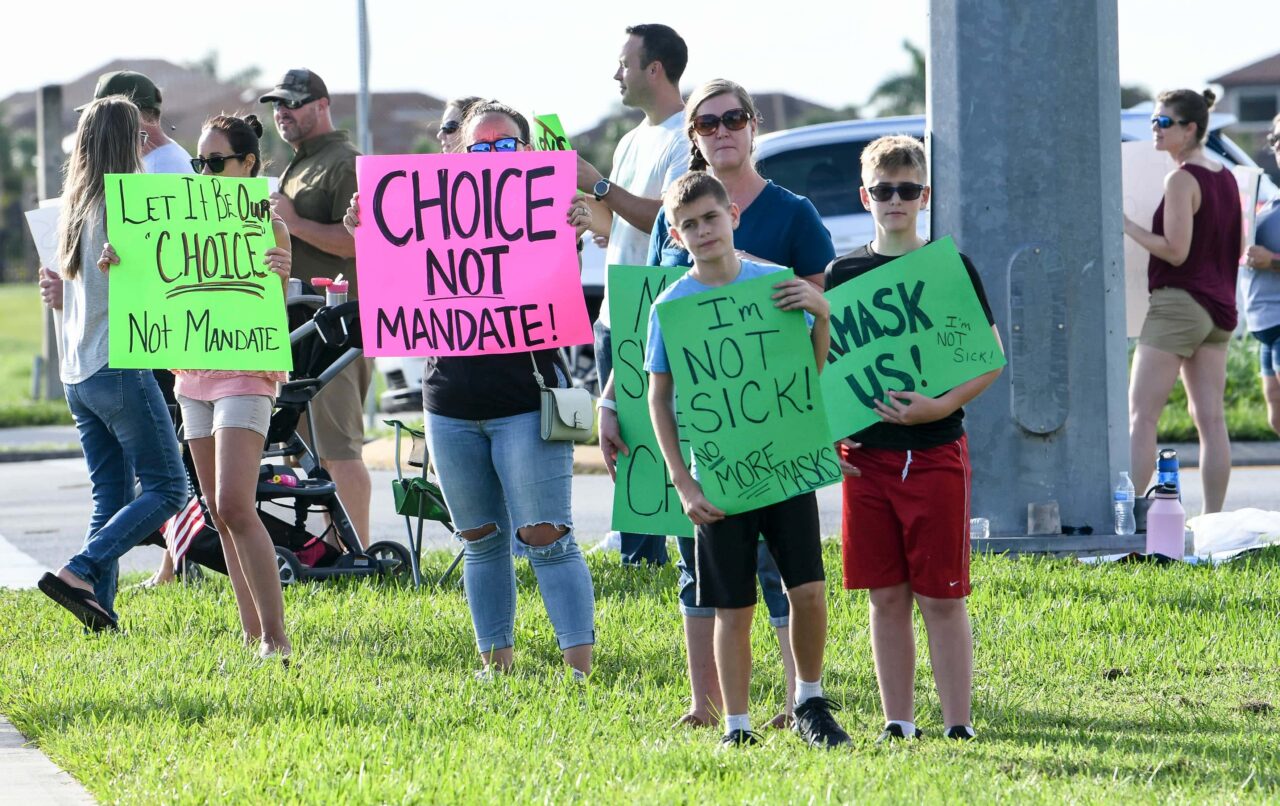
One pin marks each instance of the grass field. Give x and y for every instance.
(21, 327)
(1133, 684)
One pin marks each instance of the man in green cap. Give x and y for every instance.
(160, 155)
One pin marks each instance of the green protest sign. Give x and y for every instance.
(548, 134)
(745, 375)
(191, 290)
(644, 499)
(914, 324)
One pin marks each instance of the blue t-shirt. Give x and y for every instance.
(778, 226)
(655, 357)
(1261, 287)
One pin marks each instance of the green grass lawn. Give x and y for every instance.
(21, 327)
(1120, 684)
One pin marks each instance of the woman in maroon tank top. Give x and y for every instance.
(1195, 242)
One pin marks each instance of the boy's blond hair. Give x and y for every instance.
(891, 153)
(690, 187)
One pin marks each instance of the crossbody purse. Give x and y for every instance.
(566, 414)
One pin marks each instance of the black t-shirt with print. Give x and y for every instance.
(485, 387)
(890, 435)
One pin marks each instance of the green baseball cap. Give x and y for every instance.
(137, 87)
(297, 86)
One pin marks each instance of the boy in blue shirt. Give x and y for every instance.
(703, 219)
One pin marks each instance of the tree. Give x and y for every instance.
(902, 94)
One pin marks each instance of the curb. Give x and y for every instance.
(30, 777)
(39, 456)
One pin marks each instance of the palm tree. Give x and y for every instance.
(902, 94)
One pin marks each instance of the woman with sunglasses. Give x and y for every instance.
(124, 425)
(225, 414)
(455, 111)
(775, 226)
(1195, 244)
(1261, 284)
(499, 477)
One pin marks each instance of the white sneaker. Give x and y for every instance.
(612, 542)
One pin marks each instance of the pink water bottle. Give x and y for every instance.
(1166, 523)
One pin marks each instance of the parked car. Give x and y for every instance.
(822, 162)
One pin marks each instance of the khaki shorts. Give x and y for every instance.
(200, 418)
(338, 412)
(1177, 324)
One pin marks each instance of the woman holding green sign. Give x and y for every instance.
(775, 226)
(124, 426)
(225, 415)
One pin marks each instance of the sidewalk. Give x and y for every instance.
(30, 777)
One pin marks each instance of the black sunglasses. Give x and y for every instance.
(907, 191)
(216, 164)
(1164, 121)
(501, 145)
(735, 120)
(448, 128)
(1273, 139)
(279, 102)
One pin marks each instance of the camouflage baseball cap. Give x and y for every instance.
(297, 86)
(137, 87)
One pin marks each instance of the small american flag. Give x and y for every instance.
(179, 530)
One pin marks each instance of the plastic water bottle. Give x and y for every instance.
(1167, 469)
(1125, 524)
(1166, 524)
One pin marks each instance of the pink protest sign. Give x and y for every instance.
(465, 254)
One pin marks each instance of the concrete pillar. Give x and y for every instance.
(1024, 126)
(49, 159)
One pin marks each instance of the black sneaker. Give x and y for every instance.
(961, 732)
(739, 738)
(893, 731)
(817, 726)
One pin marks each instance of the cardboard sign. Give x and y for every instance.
(43, 223)
(548, 134)
(1143, 170)
(644, 499)
(468, 254)
(191, 290)
(748, 385)
(914, 324)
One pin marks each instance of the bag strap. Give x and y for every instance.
(537, 375)
(557, 359)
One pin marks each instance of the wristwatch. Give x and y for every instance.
(601, 189)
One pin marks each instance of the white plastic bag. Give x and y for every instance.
(1234, 532)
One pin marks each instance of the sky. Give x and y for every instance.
(560, 57)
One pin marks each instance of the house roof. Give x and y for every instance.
(1264, 71)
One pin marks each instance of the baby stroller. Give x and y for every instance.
(325, 340)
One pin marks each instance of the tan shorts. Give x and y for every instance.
(200, 418)
(338, 412)
(1177, 324)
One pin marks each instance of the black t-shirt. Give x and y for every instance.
(890, 435)
(484, 387)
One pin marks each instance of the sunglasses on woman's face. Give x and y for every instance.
(1273, 139)
(216, 164)
(448, 127)
(907, 191)
(735, 120)
(501, 145)
(1165, 122)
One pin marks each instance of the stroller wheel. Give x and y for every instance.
(391, 557)
(288, 566)
(191, 571)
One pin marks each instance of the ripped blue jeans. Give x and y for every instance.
(500, 472)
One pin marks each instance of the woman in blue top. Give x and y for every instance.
(776, 226)
(1261, 285)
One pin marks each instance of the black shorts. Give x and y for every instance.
(726, 551)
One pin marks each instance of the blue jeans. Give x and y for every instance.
(775, 598)
(126, 434)
(1268, 350)
(500, 472)
(635, 548)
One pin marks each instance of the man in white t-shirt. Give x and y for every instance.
(648, 158)
(160, 155)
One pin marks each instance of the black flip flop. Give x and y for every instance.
(78, 602)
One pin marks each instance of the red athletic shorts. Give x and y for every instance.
(906, 519)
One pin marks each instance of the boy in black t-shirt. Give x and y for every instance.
(906, 486)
